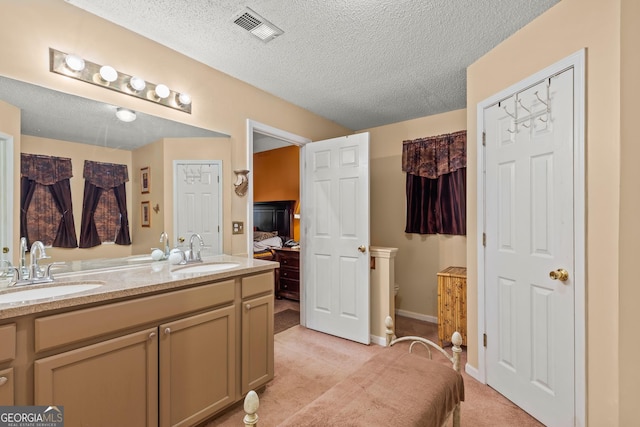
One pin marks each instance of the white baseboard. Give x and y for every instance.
(381, 341)
(417, 316)
(473, 372)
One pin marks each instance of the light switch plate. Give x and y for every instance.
(237, 227)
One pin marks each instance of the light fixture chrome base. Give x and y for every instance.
(91, 74)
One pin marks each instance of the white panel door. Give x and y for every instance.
(198, 202)
(6, 202)
(336, 249)
(530, 233)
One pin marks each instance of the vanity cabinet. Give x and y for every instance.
(171, 359)
(113, 382)
(7, 356)
(257, 331)
(197, 367)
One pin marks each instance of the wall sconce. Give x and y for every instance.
(106, 76)
(242, 182)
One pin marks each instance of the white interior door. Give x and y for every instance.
(6, 200)
(198, 202)
(335, 208)
(529, 216)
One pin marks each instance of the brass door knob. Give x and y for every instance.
(362, 248)
(559, 274)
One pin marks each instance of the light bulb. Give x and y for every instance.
(184, 99)
(108, 74)
(74, 62)
(162, 91)
(125, 115)
(137, 83)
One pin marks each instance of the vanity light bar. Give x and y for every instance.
(106, 76)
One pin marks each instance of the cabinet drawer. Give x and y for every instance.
(289, 286)
(8, 340)
(6, 387)
(289, 260)
(289, 273)
(67, 328)
(258, 284)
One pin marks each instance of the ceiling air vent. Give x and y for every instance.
(257, 25)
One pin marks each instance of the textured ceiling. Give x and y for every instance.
(360, 63)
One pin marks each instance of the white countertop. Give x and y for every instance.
(125, 277)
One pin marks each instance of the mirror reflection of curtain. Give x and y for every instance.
(436, 183)
(104, 208)
(46, 211)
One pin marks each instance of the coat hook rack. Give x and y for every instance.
(523, 107)
(507, 111)
(546, 104)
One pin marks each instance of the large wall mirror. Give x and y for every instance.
(52, 115)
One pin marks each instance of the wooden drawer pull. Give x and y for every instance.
(3, 380)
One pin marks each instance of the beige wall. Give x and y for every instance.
(419, 258)
(629, 291)
(567, 27)
(220, 102)
(78, 153)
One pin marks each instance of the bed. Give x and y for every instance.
(395, 387)
(272, 227)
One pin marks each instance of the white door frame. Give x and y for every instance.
(291, 138)
(6, 188)
(176, 204)
(577, 62)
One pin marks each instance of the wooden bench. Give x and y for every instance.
(392, 388)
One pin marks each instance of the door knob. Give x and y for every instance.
(362, 248)
(559, 274)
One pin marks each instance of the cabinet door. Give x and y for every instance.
(112, 383)
(6, 387)
(257, 342)
(197, 367)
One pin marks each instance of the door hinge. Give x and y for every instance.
(484, 139)
(484, 239)
(484, 340)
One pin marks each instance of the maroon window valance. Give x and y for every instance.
(45, 170)
(105, 175)
(436, 184)
(435, 156)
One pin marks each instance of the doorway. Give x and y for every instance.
(261, 135)
(531, 272)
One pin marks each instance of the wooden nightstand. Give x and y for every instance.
(288, 275)
(452, 303)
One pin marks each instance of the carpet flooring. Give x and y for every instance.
(285, 319)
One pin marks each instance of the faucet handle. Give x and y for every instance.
(53, 264)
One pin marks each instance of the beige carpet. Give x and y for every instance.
(307, 363)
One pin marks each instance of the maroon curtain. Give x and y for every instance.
(54, 173)
(27, 188)
(436, 184)
(100, 177)
(123, 237)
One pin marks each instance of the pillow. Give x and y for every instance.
(261, 235)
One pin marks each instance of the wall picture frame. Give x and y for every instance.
(145, 180)
(145, 214)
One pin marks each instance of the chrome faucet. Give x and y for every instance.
(198, 257)
(24, 271)
(34, 268)
(164, 238)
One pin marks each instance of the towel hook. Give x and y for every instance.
(525, 108)
(540, 99)
(507, 111)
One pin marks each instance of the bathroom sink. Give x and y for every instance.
(206, 268)
(29, 293)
